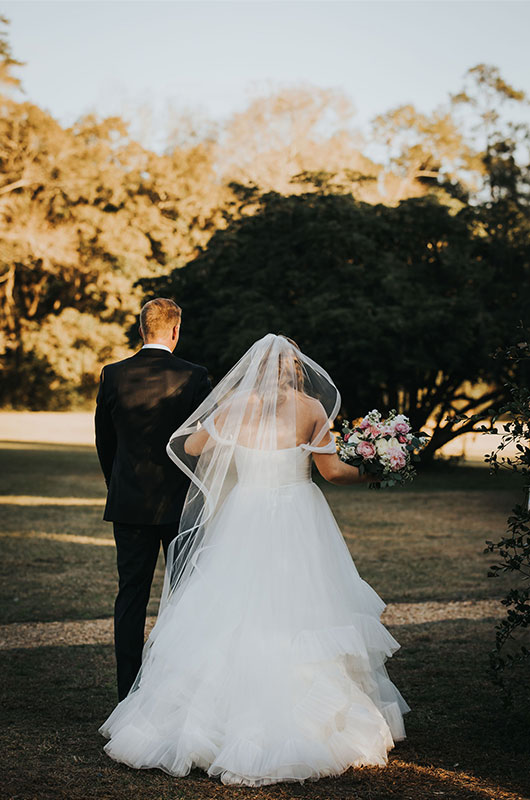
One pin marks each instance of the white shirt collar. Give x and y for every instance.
(155, 346)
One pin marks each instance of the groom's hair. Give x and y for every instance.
(159, 316)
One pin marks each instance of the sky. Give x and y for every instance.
(109, 56)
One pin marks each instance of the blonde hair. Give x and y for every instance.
(159, 316)
(297, 364)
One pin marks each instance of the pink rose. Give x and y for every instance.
(366, 450)
(402, 427)
(397, 458)
(402, 439)
(372, 431)
(347, 436)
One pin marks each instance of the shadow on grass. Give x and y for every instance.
(460, 743)
(50, 470)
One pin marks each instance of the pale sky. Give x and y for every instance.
(213, 56)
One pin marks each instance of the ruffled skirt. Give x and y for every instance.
(271, 665)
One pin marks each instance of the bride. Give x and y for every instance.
(267, 660)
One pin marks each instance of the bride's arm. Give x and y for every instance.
(195, 443)
(201, 439)
(329, 464)
(336, 471)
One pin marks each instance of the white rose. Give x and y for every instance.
(382, 446)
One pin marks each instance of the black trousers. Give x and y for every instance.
(137, 549)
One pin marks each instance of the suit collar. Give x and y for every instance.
(156, 346)
(152, 352)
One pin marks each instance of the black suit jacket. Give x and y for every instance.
(140, 402)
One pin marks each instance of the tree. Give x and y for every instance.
(402, 305)
(425, 153)
(483, 99)
(445, 152)
(486, 93)
(283, 136)
(84, 212)
(7, 61)
(88, 211)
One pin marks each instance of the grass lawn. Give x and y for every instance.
(416, 545)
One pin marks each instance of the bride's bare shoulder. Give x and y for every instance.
(312, 406)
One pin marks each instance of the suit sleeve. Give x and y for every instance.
(105, 432)
(203, 388)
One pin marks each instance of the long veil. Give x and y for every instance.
(274, 398)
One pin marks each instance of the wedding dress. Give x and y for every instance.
(267, 661)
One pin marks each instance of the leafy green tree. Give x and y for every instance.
(402, 305)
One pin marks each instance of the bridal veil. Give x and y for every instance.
(273, 397)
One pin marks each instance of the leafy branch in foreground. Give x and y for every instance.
(512, 648)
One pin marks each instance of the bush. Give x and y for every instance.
(511, 652)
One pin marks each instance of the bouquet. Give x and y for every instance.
(384, 448)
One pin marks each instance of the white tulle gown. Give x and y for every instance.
(271, 666)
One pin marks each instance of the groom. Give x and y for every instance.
(141, 401)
